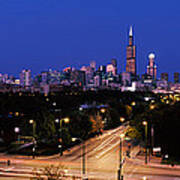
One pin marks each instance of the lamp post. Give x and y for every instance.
(83, 156)
(152, 139)
(146, 129)
(152, 134)
(34, 147)
(120, 176)
(65, 120)
(122, 119)
(17, 130)
(31, 121)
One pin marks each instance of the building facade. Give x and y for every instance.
(164, 76)
(25, 77)
(176, 77)
(131, 55)
(151, 67)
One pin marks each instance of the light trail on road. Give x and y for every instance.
(102, 158)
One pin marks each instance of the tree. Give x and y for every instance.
(45, 125)
(50, 172)
(97, 124)
(80, 125)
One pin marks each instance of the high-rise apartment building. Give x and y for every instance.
(25, 77)
(176, 77)
(77, 77)
(89, 73)
(131, 54)
(151, 67)
(93, 65)
(111, 69)
(114, 63)
(164, 76)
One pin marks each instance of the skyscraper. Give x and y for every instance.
(151, 67)
(131, 54)
(114, 63)
(164, 76)
(176, 77)
(93, 65)
(25, 77)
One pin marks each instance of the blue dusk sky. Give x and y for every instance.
(42, 34)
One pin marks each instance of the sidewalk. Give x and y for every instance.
(139, 156)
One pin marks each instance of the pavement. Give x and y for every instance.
(153, 161)
(102, 161)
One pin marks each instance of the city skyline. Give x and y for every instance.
(130, 64)
(41, 35)
(89, 89)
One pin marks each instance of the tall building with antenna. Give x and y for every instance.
(131, 55)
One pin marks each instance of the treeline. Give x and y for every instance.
(17, 109)
(163, 121)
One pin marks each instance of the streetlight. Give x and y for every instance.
(120, 176)
(83, 156)
(66, 120)
(17, 130)
(152, 107)
(103, 110)
(31, 121)
(122, 119)
(146, 129)
(34, 147)
(133, 103)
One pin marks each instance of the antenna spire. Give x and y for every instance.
(130, 31)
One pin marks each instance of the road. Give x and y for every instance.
(102, 161)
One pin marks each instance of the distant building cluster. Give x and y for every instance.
(95, 78)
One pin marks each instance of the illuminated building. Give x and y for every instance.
(176, 77)
(25, 77)
(131, 54)
(93, 65)
(114, 63)
(164, 76)
(152, 68)
(77, 77)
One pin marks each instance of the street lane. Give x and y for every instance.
(102, 161)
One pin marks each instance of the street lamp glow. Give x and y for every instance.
(80, 108)
(16, 129)
(144, 123)
(122, 119)
(57, 120)
(152, 107)
(122, 136)
(66, 120)
(31, 121)
(74, 139)
(16, 113)
(103, 110)
(54, 104)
